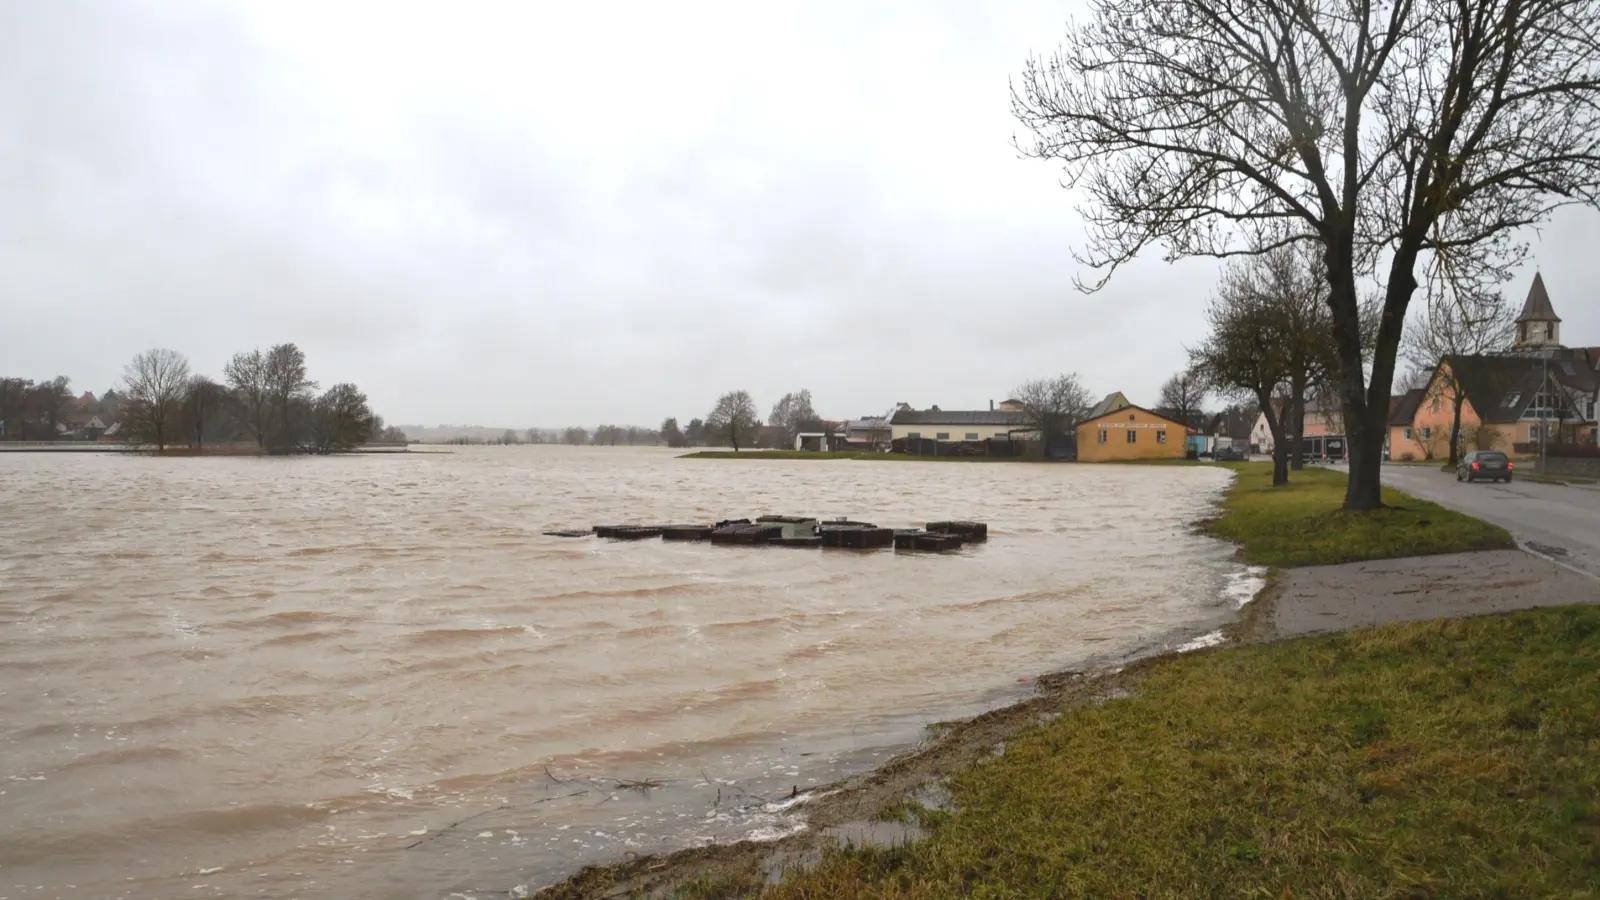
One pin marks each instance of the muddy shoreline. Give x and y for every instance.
(850, 808)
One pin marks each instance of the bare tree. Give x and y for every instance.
(1456, 323)
(510, 437)
(157, 381)
(695, 432)
(1053, 406)
(287, 382)
(338, 420)
(576, 435)
(246, 374)
(1400, 139)
(791, 413)
(1183, 396)
(1245, 355)
(734, 417)
(203, 401)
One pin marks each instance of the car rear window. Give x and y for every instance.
(1492, 457)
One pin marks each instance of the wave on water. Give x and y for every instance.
(445, 636)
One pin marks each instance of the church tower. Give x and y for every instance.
(1538, 328)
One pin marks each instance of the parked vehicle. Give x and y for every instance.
(1323, 448)
(1490, 464)
(1232, 454)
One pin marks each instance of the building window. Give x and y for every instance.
(1512, 398)
(915, 435)
(1550, 329)
(1408, 432)
(1427, 433)
(1102, 435)
(1161, 436)
(972, 435)
(942, 436)
(1133, 436)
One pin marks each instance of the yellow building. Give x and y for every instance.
(1131, 432)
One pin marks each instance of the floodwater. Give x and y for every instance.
(372, 676)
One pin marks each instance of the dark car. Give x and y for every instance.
(1490, 464)
(1231, 454)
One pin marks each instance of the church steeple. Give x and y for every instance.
(1538, 327)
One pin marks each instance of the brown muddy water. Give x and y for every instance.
(373, 677)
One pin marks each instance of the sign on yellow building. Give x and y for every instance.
(1131, 432)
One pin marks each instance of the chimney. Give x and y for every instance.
(991, 406)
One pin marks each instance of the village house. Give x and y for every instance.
(1402, 441)
(1008, 422)
(1131, 432)
(1536, 391)
(1110, 403)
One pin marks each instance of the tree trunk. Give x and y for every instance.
(1366, 404)
(1297, 419)
(1455, 429)
(1280, 447)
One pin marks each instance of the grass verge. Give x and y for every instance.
(1301, 524)
(812, 455)
(1452, 758)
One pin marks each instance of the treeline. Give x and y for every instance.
(733, 421)
(35, 411)
(265, 397)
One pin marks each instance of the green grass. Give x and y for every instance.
(1445, 759)
(812, 455)
(1301, 524)
(1553, 479)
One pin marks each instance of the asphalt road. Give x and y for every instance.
(1558, 521)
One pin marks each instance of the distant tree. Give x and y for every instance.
(671, 434)
(49, 401)
(1458, 320)
(287, 382)
(694, 434)
(246, 375)
(576, 435)
(203, 401)
(510, 437)
(734, 418)
(157, 381)
(338, 420)
(791, 412)
(1053, 406)
(13, 408)
(1183, 396)
(392, 434)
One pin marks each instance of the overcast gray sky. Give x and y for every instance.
(539, 213)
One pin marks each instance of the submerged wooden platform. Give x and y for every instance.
(800, 531)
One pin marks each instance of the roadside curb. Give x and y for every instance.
(1523, 546)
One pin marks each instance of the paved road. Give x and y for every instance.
(1556, 520)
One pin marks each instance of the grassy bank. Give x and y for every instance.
(1442, 759)
(814, 456)
(1301, 524)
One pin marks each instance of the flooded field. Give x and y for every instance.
(373, 677)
